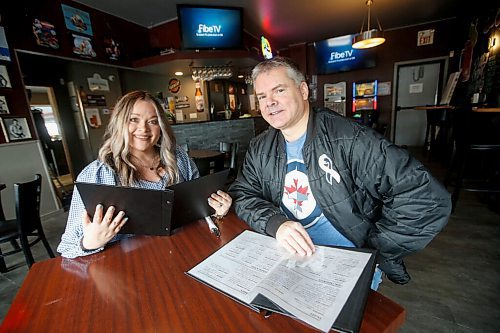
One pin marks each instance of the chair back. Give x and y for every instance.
(231, 151)
(28, 197)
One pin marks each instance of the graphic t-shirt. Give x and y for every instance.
(298, 202)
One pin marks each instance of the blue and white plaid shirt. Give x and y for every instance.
(100, 173)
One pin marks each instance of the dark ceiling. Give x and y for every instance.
(287, 22)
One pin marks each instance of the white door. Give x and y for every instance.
(417, 84)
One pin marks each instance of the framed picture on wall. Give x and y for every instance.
(15, 128)
(4, 77)
(4, 47)
(4, 108)
(77, 20)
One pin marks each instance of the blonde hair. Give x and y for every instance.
(115, 151)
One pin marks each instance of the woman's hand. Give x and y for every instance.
(101, 229)
(221, 202)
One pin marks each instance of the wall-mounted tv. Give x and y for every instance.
(337, 55)
(210, 27)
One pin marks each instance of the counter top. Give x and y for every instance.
(213, 121)
(485, 109)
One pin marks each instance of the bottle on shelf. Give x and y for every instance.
(198, 97)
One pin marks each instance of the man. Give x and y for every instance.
(315, 177)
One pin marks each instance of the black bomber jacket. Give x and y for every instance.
(371, 190)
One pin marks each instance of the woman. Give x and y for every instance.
(140, 151)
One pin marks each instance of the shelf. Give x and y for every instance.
(191, 55)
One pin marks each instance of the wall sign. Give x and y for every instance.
(97, 83)
(267, 52)
(425, 37)
(174, 85)
(97, 100)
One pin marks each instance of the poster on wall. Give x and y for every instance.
(384, 88)
(15, 128)
(77, 20)
(4, 47)
(4, 108)
(4, 78)
(45, 34)
(93, 117)
(112, 48)
(83, 47)
(335, 95)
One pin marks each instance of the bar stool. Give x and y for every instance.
(437, 129)
(475, 164)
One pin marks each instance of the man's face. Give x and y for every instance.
(282, 104)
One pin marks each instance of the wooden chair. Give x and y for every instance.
(27, 196)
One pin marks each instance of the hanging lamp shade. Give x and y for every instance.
(370, 37)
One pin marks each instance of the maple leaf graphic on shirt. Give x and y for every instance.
(297, 193)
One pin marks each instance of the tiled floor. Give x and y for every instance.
(455, 283)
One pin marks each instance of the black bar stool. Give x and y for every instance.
(475, 164)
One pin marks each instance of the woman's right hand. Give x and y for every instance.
(101, 229)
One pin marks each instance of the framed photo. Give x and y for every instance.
(45, 34)
(4, 108)
(83, 47)
(15, 128)
(112, 48)
(77, 20)
(4, 77)
(4, 47)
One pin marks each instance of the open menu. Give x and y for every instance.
(326, 290)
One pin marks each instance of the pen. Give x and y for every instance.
(213, 228)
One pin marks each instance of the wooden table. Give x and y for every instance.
(493, 110)
(140, 285)
(204, 153)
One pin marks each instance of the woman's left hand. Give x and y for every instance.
(221, 202)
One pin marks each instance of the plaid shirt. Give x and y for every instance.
(100, 173)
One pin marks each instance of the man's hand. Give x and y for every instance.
(295, 238)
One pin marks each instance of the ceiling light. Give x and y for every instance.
(179, 73)
(369, 37)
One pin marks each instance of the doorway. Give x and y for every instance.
(50, 132)
(417, 83)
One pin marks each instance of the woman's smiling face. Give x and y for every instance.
(143, 127)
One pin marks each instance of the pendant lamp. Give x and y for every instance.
(369, 37)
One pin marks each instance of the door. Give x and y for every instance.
(417, 84)
(53, 141)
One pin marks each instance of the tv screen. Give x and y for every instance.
(209, 27)
(337, 55)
